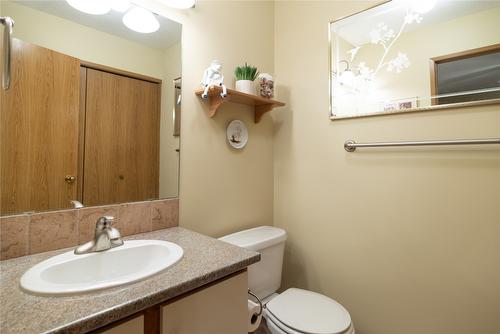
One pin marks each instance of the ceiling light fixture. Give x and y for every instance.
(141, 20)
(120, 6)
(180, 4)
(94, 7)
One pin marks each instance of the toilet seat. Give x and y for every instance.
(273, 326)
(298, 311)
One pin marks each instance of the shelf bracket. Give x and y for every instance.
(261, 110)
(215, 102)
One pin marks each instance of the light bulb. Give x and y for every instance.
(180, 4)
(120, 6)
(141, 20)
(94, 7)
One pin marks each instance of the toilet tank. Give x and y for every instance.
(264, 277)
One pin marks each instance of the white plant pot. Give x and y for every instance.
(245, 86)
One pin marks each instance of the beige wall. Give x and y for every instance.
(223, 190)
(98, 47)
(408, 240)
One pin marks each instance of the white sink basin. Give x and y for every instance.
(70, 274)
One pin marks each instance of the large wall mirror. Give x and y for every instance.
(89, 115)
(414, 55)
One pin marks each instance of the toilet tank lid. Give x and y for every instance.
(257, 238)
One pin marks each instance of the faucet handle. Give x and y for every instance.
(104, 222)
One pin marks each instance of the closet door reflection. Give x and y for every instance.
(122, 124)
(39, 130)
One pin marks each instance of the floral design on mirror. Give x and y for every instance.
(405, 56)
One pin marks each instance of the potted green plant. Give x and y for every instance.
(245, 75)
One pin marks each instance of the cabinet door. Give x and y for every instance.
(133, 326)
(122, 125)
(218, 309)
(39, 130)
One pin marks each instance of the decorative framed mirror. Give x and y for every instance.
(409, 55)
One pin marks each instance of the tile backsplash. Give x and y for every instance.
(41, 232)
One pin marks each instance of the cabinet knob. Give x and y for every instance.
(70, 178)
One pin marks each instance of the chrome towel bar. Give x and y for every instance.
(351, 145)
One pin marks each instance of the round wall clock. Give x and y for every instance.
(237, 134)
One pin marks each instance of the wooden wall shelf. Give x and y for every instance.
(261, 104)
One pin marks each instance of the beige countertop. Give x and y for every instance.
(205, 260)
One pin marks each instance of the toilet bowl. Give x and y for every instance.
(294, 311)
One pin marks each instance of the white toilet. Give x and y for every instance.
(294, 311)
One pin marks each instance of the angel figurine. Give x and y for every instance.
(213, 77)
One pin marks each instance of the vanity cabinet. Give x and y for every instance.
(133, 326)
(216, 308)
(219, 308)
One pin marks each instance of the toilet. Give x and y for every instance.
(294, 311)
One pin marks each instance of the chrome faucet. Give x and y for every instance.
(106, 237)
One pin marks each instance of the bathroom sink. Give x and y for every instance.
(68, 273)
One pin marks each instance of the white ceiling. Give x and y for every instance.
(168, 34)
(356, 28)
